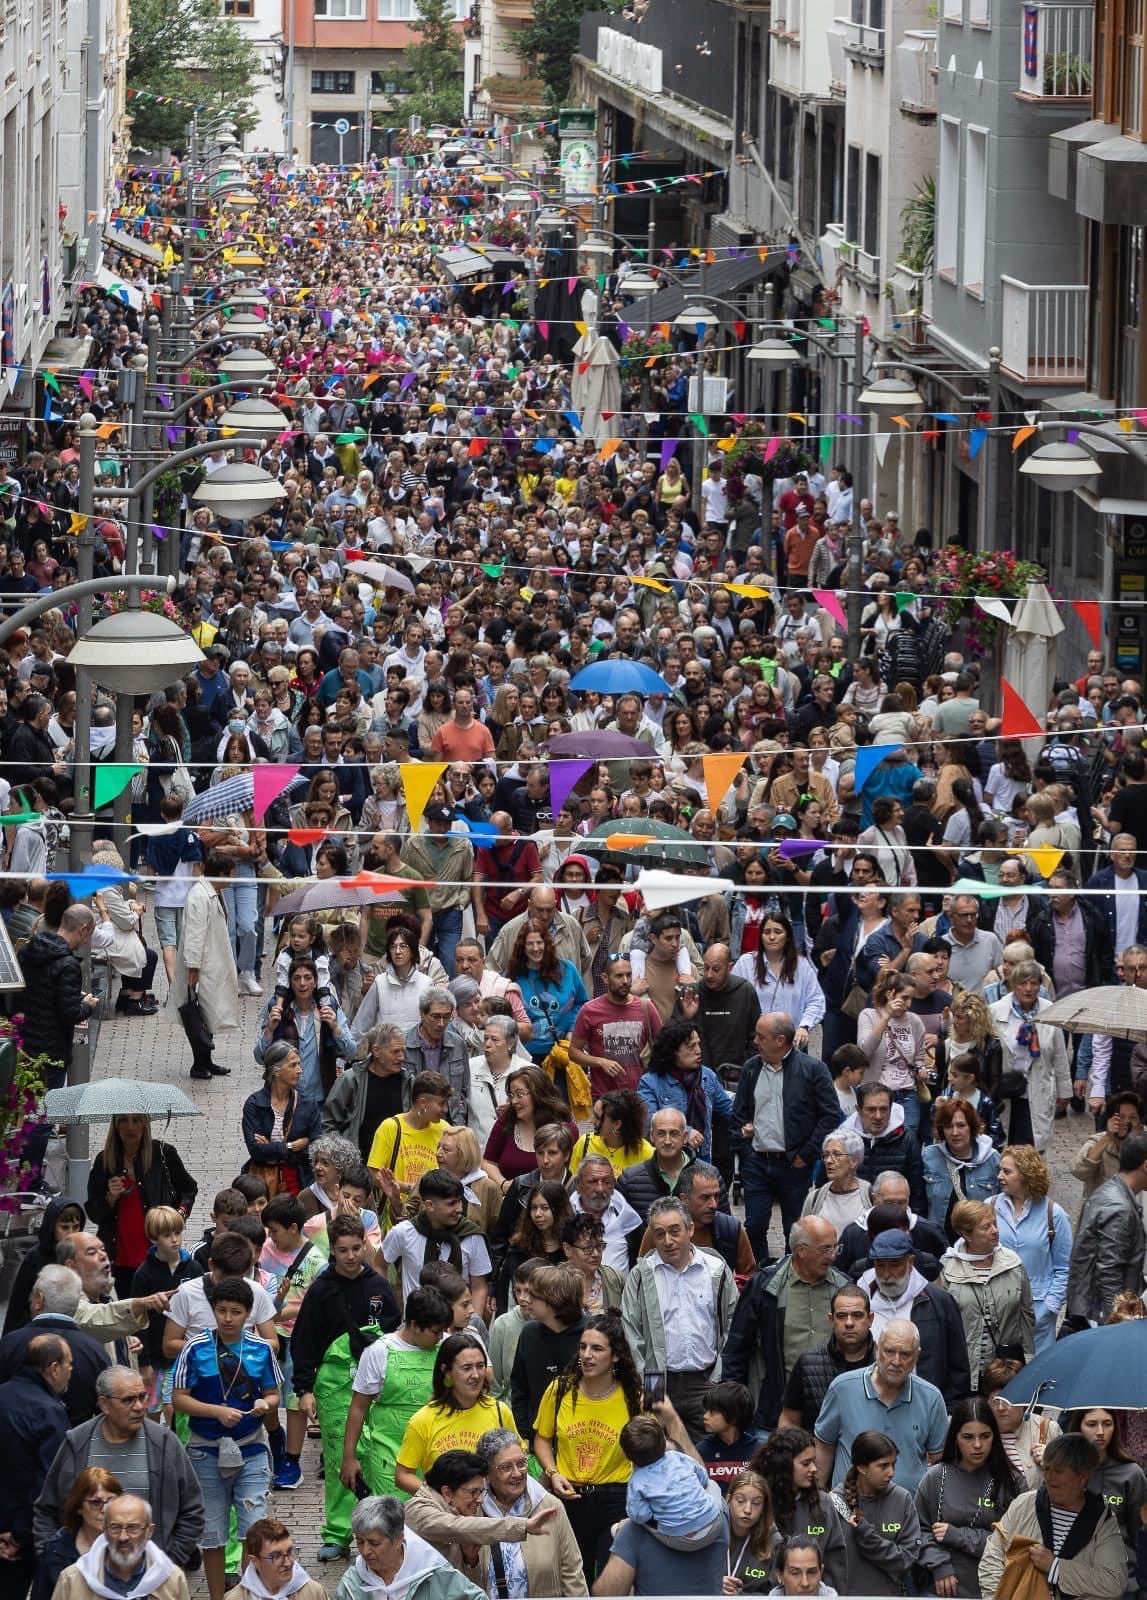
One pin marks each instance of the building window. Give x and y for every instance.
(852, 196)
(341, 10)
(390, 82)
(975, 208)
(395, 10)
(786, 138)
(948, 197)
(954, 11)
(238, 8)
(1133, 71)
(872, 206)
(1130, 268)
(980, 13)
(332, 82)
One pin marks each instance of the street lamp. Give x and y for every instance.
(244, 325)
(133, 651)
(239, 491)
(774, 353)
(1061, 467)
(692, 315)
(247, 364)
(891, 394)
(254, 415)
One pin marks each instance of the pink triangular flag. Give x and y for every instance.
(571, 284)
(827, 599)
(772, 447)
(543, 328)
(85, 382)
(268, 783)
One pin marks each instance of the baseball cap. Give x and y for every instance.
(891, 1245)
(783, 819)
(438, 814)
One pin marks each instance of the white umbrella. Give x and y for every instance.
(597, 388)
(1029, 659)
(117, 1097)
(1117, 1009)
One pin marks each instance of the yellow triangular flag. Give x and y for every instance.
(750, 591)
(653, 583)
(581, 328)
(720, 770)
(1046, 858)
(418, 780)
(78, 523)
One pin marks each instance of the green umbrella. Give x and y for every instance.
(668, 846)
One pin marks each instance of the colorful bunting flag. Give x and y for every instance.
(1018, 721)
(564, 776)
(868, 758)
(268, 783)
(418, 780)
(719, 772)
(829, 600)
(110, 779)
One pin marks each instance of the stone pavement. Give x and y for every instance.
(212, 1149)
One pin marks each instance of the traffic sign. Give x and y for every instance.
(342, 127)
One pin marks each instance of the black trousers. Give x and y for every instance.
(687, 1390)
(592, 1517)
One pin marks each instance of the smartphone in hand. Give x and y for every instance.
(652, 1390)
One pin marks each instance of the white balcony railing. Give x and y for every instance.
(837, 66)
(1044, 338)
(866, 266)
(1056, 51)
(861, 40)
(916, 57)
(832, 250)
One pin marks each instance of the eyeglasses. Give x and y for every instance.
(125, 1530)
(99, 1499)
(592, 1249)
(139, 1399)
(286, 1555)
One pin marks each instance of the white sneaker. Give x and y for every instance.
(249, 983)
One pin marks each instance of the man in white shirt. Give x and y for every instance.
(676, 1308)
(411, 657)
(715, 497)
(595, 1194)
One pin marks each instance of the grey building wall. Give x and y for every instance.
(1028, 235)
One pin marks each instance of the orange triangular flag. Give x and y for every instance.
(719, 773)
(1020, 435)
(306, 835)
(628, 841)
(1018, 722)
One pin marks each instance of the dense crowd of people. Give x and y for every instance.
(502, 1242)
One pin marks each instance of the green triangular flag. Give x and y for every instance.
(985, 891)
(904, 600)
(10, 818)
(699, 423)
(825, 448)
(493, 569)
(111, 780)
(52, 382)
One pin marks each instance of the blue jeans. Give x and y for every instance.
(913, 1110)
(768, 1180)
(241, 899)
(445, 932)
(247, 1492)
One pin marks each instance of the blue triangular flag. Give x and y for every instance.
(868, 758)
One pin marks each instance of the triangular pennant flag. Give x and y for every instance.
(699, 423)
(1045, 858)
(982, 890)
(828, 599)
(976, 441)
(1017, 722)
(868, 758)
(418, 780)
(608, 450)
(904, 600)
(629, 841)
(880, 443)
(1020, 435)
(493, 569)
(11, 819)
(268, 783)
(543, 328)
(1089, 614)
(994, 608)
(563, 777)
(78, 522)
(720, 771)
(111, 779)
(379, 883)
(660, 890)
(790, 849)
(668, 450)
(748, 591)
(653, 583)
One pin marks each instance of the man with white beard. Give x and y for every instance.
(123, 1564)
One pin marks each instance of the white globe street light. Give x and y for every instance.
(239, 491)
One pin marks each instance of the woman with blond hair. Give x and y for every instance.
(969, 1030)
(1038, 1230)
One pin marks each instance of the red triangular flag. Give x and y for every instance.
(1018, 721)
(306, 836)
(355, 555)
(1088, 613)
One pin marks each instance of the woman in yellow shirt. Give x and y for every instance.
(461, 1411)
(580, 1417)
(618, 1132)
(406, 1146)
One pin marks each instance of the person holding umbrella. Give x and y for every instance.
(132, 1173)
(205, 990)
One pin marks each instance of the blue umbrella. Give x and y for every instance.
(1101, 1367)
(620, 677)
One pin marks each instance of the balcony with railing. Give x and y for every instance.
(916, 58)
(861, 41)
(785, 19)
(1056, 51)
(911, 295)
(1044, 335)
(837, 65)
(839, 254)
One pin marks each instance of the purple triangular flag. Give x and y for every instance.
(563, 776)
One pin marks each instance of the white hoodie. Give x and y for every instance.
(895, 1120)
(157, 1569)
(420, 1558)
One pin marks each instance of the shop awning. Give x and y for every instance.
(725, 278)
(133, 246)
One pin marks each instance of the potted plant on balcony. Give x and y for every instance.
(907, 288)
(638, 348)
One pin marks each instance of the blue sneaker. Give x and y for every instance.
(333, 1552)
(288, 1475)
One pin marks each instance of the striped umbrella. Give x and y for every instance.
(228, 798)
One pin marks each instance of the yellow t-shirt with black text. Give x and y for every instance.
(586, 1435)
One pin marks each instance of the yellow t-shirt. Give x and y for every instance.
(586, 1434)
(433, 1429)
(412, 1153)
(591, 1144)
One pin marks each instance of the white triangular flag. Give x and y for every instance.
(880, 442)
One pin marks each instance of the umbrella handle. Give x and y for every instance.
(1048, 1383)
